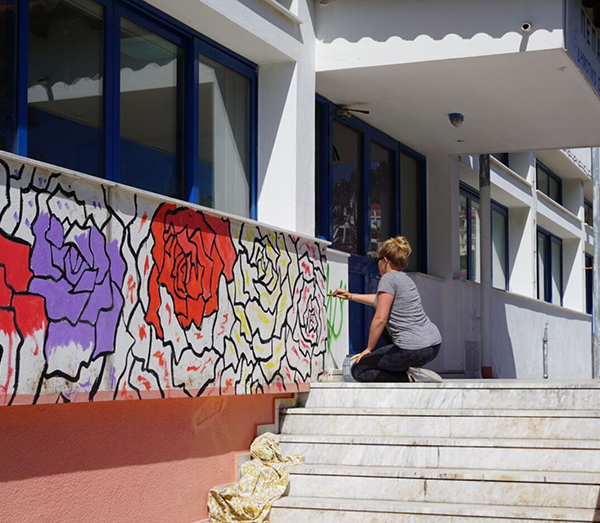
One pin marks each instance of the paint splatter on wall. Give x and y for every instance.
(337, 310)
(106, 293)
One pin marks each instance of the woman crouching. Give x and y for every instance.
(416, 339)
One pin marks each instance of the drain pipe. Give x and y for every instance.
(545, 351)
(596, 270)
(485, 203)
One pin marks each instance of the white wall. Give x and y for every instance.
(355, 33)
(517, 330)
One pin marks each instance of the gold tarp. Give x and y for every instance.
(264, 480)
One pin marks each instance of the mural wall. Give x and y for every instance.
(106, 293)
(338, 340)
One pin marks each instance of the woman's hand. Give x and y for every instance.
(343, 294)
(358, 357)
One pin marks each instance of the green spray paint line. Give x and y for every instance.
(335, 313)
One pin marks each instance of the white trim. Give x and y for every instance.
(274, 4)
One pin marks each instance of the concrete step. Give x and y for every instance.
(489, 454)
(335, 510)
(464, 394)
(514, 488)
(447, 423)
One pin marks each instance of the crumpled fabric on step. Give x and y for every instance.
(264, 480)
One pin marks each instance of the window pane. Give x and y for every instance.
(588, 214)
(543, 288)
(501, 157)
(463, 247)
(66, 64)
(475, 245)
(347, 173)
(498, 250)
(554, 189)
(382, 204)
(542, 181)
(556, 273)
(589, 284)
(319, 181)
(224, 138)
(410, 209)
(150, 122)
(8, 74)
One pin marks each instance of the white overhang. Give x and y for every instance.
(517, 90)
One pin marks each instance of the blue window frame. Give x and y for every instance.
(549, 267)
(589, 284)
(155, 32)
(548, 182)
(371, 156)
(470, 234)
(8, 74)
(588, 212)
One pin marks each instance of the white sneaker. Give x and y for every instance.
(419, 375)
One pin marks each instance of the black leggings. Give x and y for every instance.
(390, 363)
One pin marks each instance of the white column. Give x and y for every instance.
(596, 203)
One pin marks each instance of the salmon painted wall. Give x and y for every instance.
(125, 461)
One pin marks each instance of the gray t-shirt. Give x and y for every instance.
(408, 325)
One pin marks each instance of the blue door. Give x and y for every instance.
(360, 199)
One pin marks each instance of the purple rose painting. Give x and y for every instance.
(80, 276)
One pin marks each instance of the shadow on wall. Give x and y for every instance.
(276, 81)
(503, 352)
(274, 17)
(49, 440)
(381, 20)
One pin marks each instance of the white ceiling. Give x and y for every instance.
(513, 102)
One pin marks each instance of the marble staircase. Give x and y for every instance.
(461, 451)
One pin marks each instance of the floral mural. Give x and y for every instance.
(109, 294)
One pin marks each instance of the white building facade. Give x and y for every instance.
(330, 119)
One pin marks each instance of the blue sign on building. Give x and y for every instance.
(583, 42)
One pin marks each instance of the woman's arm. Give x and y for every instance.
(365, 299)
(382, 313)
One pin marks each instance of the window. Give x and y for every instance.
(549, 183)
(8, 74)
(150, 115)
(549, 270)
(469, 239)
(369, 187)
(499, 247)
(225, 107)
(382, 204)
(589, 284)
(588, 213)
(118, 89)
(65, 86)
(411, 207)
(347, 175)
(501, 157)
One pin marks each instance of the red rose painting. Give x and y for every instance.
(191, 252)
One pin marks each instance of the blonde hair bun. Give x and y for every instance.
(397, 250)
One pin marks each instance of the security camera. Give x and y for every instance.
(526, 27)
(456, 119)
